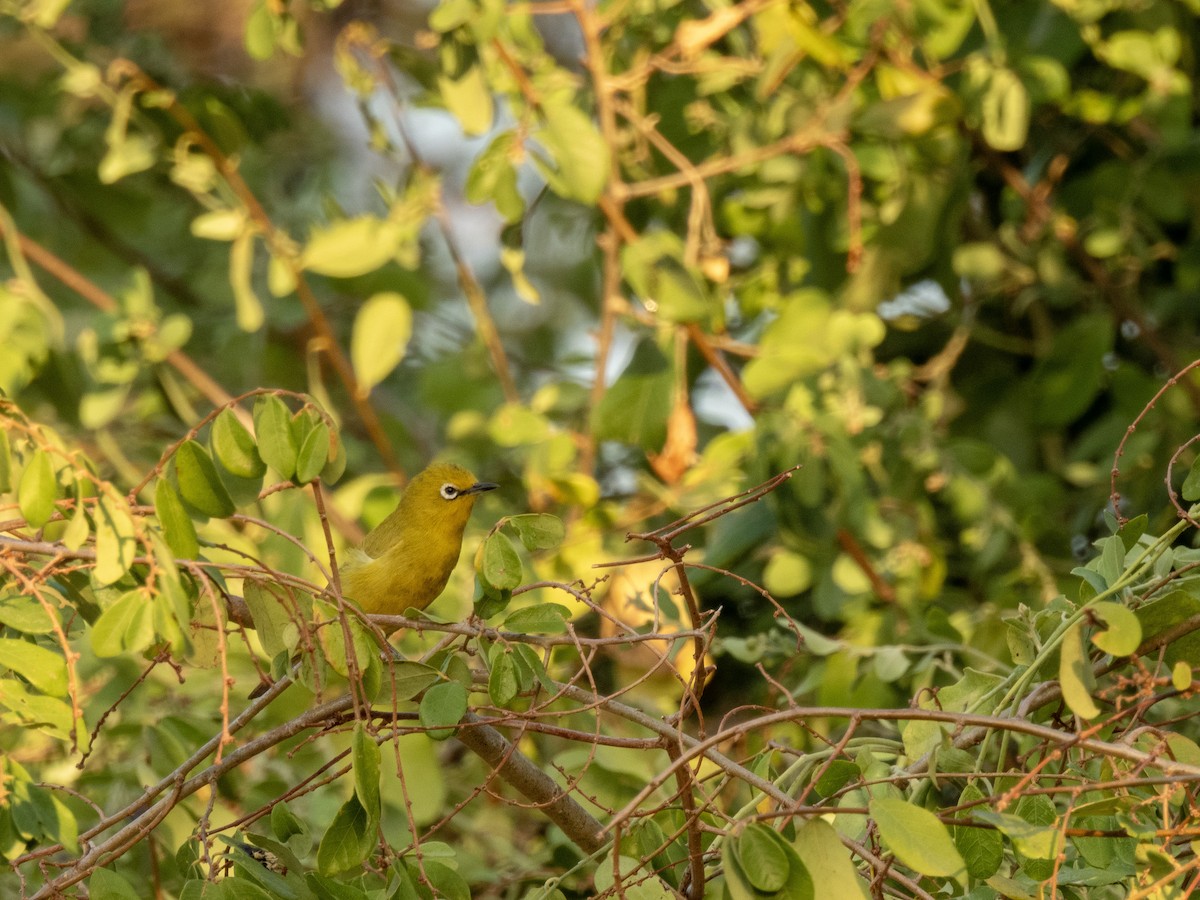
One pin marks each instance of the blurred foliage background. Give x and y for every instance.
(627, 260)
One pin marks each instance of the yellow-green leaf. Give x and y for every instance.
(351, 247)
(248, 307)
(918, 838)
(1075, 674)
(1123, 632)
(116, 540)
(37, 490)
(43, 668)
(381, 333)
(125, 627)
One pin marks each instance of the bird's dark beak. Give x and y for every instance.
(480, 487)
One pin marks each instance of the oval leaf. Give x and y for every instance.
(443, 705)
(763, 860)
(125, 627)
(178, 530)
(1124, 631)
(313, 453)
(382, 329)
(199, 484)
(44, 669)
(234, 447)
(116, 540)
(276, 440)
(37, 490)
(1075, 674)
(545, 618)
(538, 531)
(501, 566)
(502, 682)
(917, 838)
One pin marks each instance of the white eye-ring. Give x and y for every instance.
(449, 491)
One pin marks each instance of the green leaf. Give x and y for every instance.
(1123, 633)
(37, 490)
(5, 462)
(762, 858)
(828, 861)
(76, 533)
(1191, 485)
(404, 679)
(635, 409)
(116, 540)
(278, 618)
(234, 447)
(26, 615)
(314, 451)
(348, 841)
(787, 574)
(276, 440)
(105, 884)
(43, 668)
(469, 99)
(917, 838)
(199, 484)
(178, 530)
(654, 266)
(1031, 839)
(285, 823)
(351, 247)
(575, 157)
(380, 338)
(502, 680)
(443, 705)
(760, 864)
(1005, 110)
(493, 177)
(125, 627)
(1159, 615)
(1132, 531)
(366, 757)
(538, 531)
(543, 618)
(501, 565)
(981, 848)
(1066, 381)
(247, 307)
(1075, 674)
(219, 224)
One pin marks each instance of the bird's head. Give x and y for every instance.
(435, 507)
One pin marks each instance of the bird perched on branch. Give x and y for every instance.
(407, 558)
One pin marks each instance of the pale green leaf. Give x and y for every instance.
(1123, 633)
(37, 490)
(125, 627)
(351, 247)
(1075, 674)
(380, 337)
(918, 838)
(41, 667)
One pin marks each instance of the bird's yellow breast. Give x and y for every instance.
(404, 576)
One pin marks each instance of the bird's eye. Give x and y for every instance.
(449, 491)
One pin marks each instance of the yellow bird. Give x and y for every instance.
(407, 558)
